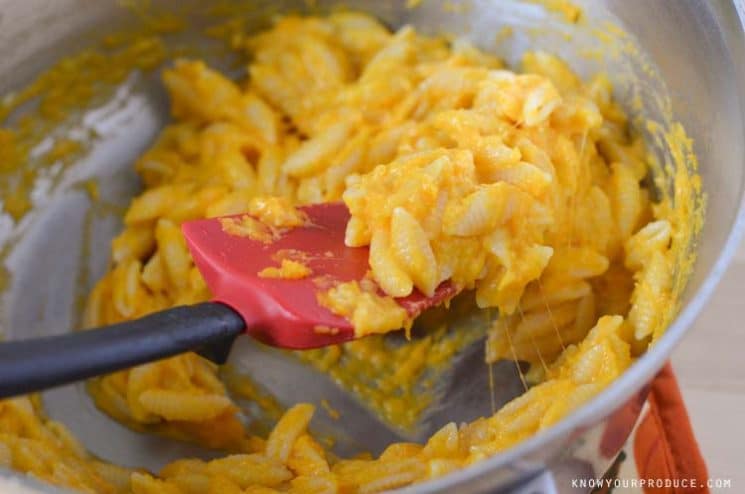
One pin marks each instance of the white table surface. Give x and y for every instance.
(710, 365)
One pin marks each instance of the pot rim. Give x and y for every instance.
(619, 391)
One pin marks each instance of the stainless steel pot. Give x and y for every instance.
(697, 53)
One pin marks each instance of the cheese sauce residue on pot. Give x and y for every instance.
(524, 186)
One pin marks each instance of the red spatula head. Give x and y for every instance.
(286, 312)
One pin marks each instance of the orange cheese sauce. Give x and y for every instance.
(288, 270)
(247, 226)
(267, 218)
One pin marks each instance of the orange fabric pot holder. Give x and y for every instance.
(664, 444)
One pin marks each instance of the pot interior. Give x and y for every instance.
(56, 252)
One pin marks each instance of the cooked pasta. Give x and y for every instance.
(523, 187)
(369, 312)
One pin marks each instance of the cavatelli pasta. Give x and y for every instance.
(174, 255)
(412, 251)
(652, 290)
(626, 199)
(250, 469)
(315, 484)
(526, 187)
(313, 155)
(307, 457)
(183, 406)
(394, 280)
(287, 431)
(146, 484)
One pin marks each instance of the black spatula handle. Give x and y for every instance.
(32, 365)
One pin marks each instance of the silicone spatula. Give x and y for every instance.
(280, 312)
(286, 312)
